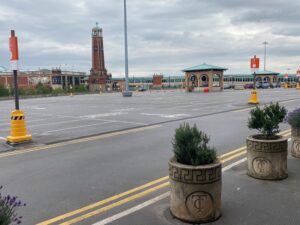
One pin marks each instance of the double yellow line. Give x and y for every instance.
(149, 188)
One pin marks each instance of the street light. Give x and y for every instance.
(265, 53)
(126, 93)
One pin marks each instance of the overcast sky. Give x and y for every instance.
(164, 36)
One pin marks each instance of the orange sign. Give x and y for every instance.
(254, 63)
(13, 47)
(286, 76)
(298, 73)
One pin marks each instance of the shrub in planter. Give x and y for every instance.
(267, 151)
(8, 206)
(293, 118)
(195, 177)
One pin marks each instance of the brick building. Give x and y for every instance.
(55, 78)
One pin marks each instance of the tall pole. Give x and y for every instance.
(265, 53)
(127, 93)
(13, 44)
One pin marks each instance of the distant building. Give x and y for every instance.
(202, 76)
(98, 74)
(166, 81)
(55, 78)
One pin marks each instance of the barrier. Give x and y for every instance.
(18, 132)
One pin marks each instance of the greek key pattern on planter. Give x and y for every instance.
(296, 148)
(205, 175)
(295, 133)
(271, 147)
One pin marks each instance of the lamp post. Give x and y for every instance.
(265, 53)
(126, 93)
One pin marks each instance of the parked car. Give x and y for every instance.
(274, 85)
(248, 86)
(228, 86)
(265, 85)
(142, 89)
(258, 85)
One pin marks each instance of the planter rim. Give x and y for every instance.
(174, 162)
(280, 139)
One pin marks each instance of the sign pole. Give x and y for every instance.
(254, 65)
(18, 132)
(13, 43)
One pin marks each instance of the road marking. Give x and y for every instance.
(71, 128)
(121, 202)
(116, 204)
(165, 115)
(234, 164)
(234, 156)
(84, 118)
(102, 202)
(80, 140)
(105, 115)
(133, 209)
(88, 207)
(244, 110)
(153, 200)
(232, 152)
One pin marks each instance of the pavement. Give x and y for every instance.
(103, 158)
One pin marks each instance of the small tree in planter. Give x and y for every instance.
(195, 177)
(293, 118)
(267, 151)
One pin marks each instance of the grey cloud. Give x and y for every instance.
(164, 35)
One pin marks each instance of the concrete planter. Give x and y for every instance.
(296, 142)
(267, 159)
(195, 191)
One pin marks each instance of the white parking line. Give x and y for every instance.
(70, 128)
(84, 118)
(152, 201)
(133, 209)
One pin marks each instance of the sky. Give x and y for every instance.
(164, 36)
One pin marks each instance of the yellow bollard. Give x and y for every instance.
(285, 85)
(253, 98)
(298, 86)
(18, 133)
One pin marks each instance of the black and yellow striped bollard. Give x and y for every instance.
(18, 132)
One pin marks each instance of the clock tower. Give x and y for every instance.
(98, 73)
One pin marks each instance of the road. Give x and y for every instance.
(57, 177)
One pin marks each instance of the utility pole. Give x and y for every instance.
(126, 93)
(265, 53)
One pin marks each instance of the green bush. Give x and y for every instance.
(267, 119)
(190, 146)
(81, 88)
(27, 91)
(3, 91)
(58, 91)
(42, 89)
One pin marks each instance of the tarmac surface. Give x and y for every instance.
(128, 144)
